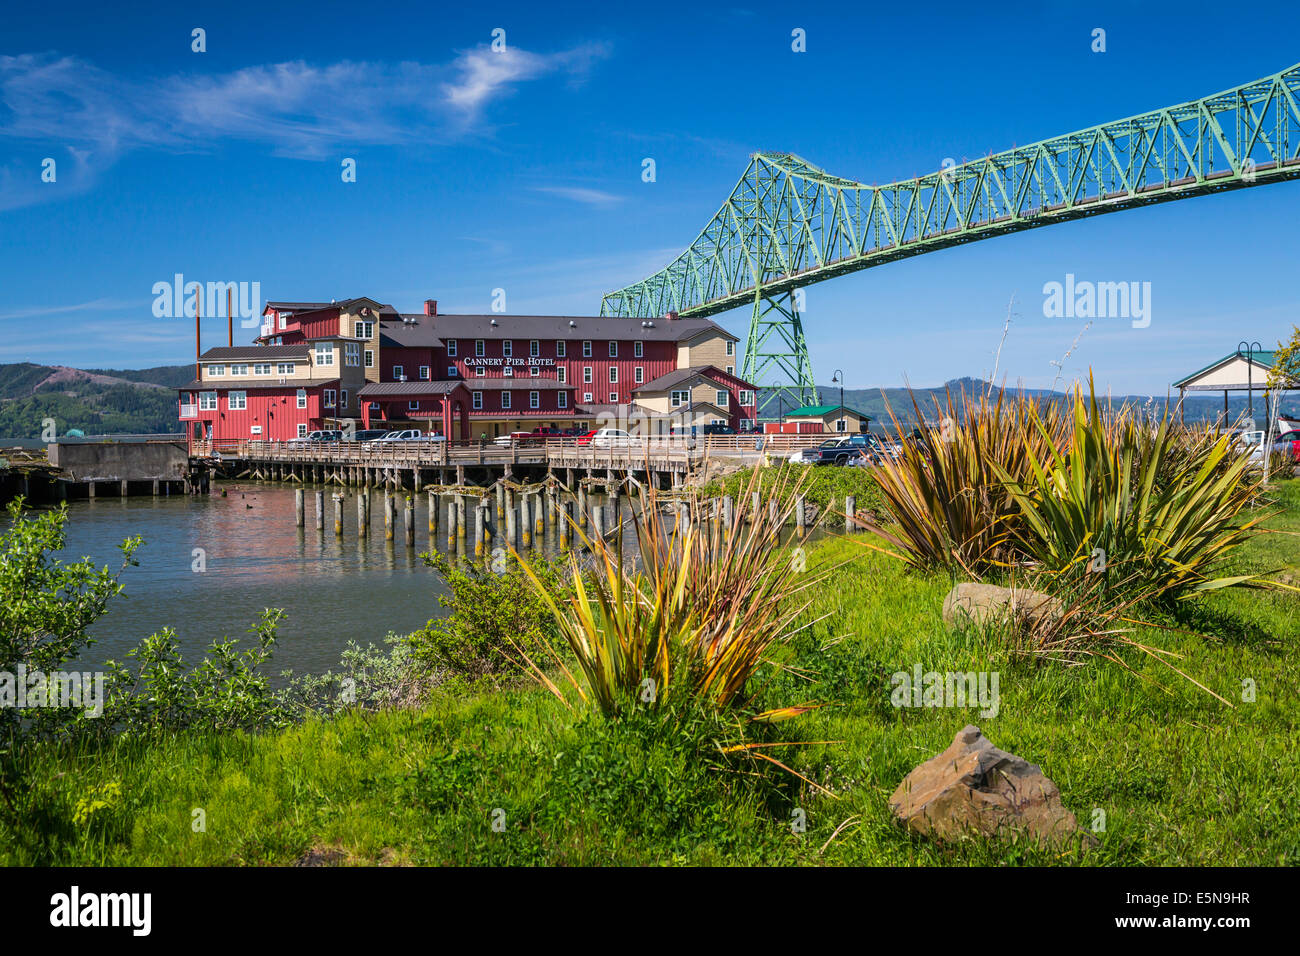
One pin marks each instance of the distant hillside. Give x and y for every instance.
(96, 401)
(877, 402)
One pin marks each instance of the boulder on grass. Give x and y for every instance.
(982, 603)
(975, 788)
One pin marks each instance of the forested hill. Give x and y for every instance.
(96, 401)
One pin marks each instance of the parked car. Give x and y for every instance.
(584, 438)
(407, 434)
(316, 437)
(854, 449)
(369, 434)
(1288, 442)
(806, 456)
(611, 438)
(718, 428)
(512, 438)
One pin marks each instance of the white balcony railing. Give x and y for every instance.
(189, 411)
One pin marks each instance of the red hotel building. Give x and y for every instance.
(326, 364)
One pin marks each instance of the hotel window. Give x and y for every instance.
(722, 398)
(343, 398)
(302, 398)
(639, 374)
(534, 347)
(207, 401)
(479, 371)
(302, 429)
(352, 353)
(840, 425)
(238, 401)
(613, 349)
(284, 368)
(261, 368)
(613, 375)
(638, 348)
(561, 374)
(508, 371)
(451, 348)
(746, 398)
(424, 372)
(238, 370)
(586, 396)
(731, 370)
(586, 348)
(613, 398)
(324, 353)
(562, 400)
(534, 371)
(559, 348)
(534, 399)
(586, 374)
(330, 397)
(478, 400)
(478, 348)
(398, 372)
(679, 398)
(413, 405)
(370, 358)
(731, 347)
(363, 330)
(216, 370)
(507, 348)
(505, 399)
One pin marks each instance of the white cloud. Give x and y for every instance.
(590, 197)
(87, 117)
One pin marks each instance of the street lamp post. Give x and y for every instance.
(839, 377)
(1251, 348)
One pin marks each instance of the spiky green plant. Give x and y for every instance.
(1144, 509)
(948, 506)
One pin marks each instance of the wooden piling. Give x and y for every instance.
(728, 513)
(389, 515)
(299, 508)
(478, 531)
(799, 515)
(433, 513)
(850, 509)
(320, 510)
(451, 524)
(525, 523)
(338, 515)
(462, 531)
(410, 521)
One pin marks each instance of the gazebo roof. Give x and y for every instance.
(1234, 372)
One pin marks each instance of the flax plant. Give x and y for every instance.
(946, 494)
(692, 622)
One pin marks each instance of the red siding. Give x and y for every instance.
(275, 409)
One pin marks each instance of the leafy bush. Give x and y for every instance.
(495, 619)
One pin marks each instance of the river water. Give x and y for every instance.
(333, 589)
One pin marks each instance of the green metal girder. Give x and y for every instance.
(788, 224)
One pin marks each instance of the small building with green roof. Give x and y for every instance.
(836, 419)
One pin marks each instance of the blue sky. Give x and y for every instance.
(478, 171)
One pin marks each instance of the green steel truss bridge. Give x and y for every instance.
(788, 223)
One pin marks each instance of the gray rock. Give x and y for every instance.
(982, 603)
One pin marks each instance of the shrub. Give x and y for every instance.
(494, 618)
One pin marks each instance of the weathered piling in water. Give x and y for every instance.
(771, 511)
(485, 503)
(389, 515)
(362, 520)
(299, 508)
(433, 513)
(799, 515)
(850, 509)
(462, 530)
(451, 524)
(410, 521)
(501, 500)
(320, 510)
(525, 524)
(582, 505)
(511, 540)
(338, 515)
(728, 513)
(597, 524)
(754, 506)
(539, 519)
(564, 525)
(478, 530)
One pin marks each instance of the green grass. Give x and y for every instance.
(1181, 778)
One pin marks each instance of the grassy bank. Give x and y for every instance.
(1180, 777)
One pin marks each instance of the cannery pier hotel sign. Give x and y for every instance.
(531, 360)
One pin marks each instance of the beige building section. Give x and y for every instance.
(708, 348)
(353, 325)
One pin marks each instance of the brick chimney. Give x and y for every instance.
(430, 306)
